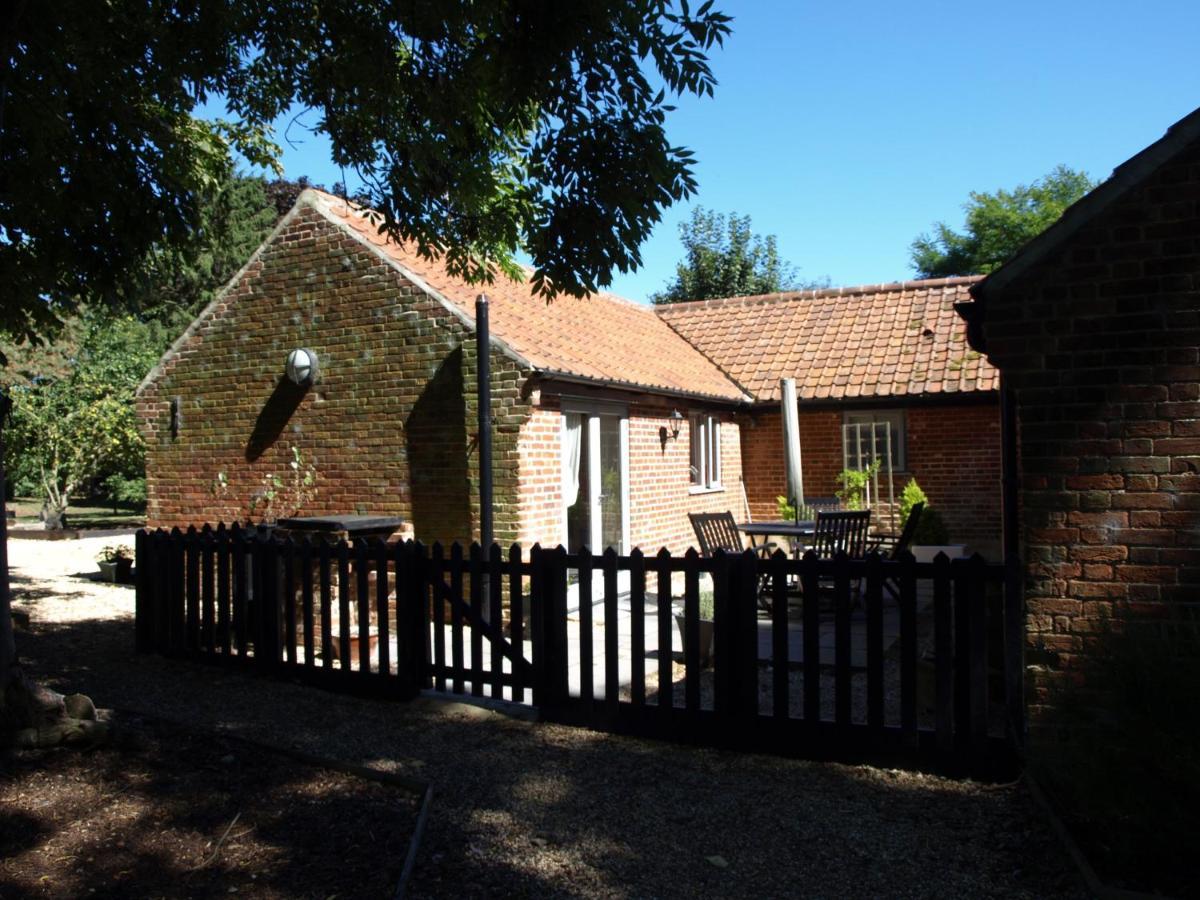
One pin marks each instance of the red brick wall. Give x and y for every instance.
(762, 454)
(1099, 345)
(659, 488)
(541, 475)
(952, 451)
(387, 426)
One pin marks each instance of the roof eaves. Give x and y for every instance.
(559, 375)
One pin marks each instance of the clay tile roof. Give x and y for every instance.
(601, 337)
(887, 340)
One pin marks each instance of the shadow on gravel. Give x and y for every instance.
(161, 811)
(525, 809)
(29, 591)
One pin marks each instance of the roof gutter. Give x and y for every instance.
(887, 401)
(570, 378)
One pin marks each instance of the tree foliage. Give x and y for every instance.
(477, 129)
(66, 431)
(998, 225)
(723, 257)
(174, 281)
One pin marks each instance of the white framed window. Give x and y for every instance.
(705, 433)
(869, 435)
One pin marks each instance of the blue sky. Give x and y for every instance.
(847, 129)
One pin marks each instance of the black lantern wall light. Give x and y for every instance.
(676, 422)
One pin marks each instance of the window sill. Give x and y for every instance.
(714, 489)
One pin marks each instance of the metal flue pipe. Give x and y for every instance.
(791, 442)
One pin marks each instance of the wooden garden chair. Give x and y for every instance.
(840, 531)
(719, 531)
(843, 530)
(891, 548)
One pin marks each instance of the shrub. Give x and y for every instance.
(785, 509)
(931, 529)
(910, 497)
(126, 491)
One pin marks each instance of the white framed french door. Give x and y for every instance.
(595, 476)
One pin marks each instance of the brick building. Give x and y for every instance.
(612, 420)
(873, 365)
(1095, 327)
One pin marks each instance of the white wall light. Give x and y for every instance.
(302, 367)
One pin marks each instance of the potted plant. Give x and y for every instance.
(116, 563)
(785, 509)
(706, 627)
(932, 536)
(855, 483)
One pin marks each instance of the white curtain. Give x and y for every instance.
(571, 443)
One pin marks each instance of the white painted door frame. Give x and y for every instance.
(593, 410)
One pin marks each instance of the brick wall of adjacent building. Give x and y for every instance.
(952, 451)
(388, 427)
(1099, 344)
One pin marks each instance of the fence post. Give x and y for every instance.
(548, 599)
(143, 626)
(1014, 650)
(724, 637)
(537, 623)
(175, 591)
(745, 611)
(556, 627)
(412, 618)
(267, 645)
(416, 627)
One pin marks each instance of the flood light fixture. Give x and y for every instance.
(302, 366)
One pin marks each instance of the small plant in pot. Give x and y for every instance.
(116, 563)
(706, 627)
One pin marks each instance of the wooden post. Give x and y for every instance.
(267, 645)
(559, 673)
(811, 585)
(537, 622)
(745, 611)
(516, 619)
(143, 627)
(637, 638)
(724, 636)
(418, 615)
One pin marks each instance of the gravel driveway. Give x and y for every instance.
(529, 809)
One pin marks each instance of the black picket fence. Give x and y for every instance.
(879, 660)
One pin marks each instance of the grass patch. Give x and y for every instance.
(81, 515)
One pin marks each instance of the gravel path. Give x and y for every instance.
(529, 809)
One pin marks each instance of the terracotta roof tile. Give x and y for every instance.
(601, 337)
(876, 341)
